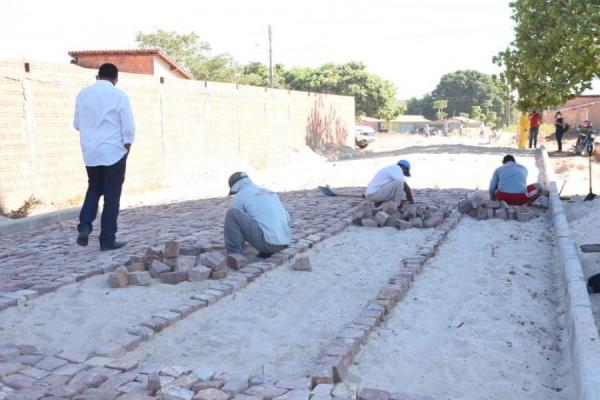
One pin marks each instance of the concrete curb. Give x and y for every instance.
(36, 221)
(582, 333)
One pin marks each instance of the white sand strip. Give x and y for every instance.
(77, 317)
(279, 324)
(481, 322)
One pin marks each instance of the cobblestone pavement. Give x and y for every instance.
(25, 372)
(47, 258)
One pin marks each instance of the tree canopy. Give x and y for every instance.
(192, 54)
(556, 51)
(373, 95)
(462, 92)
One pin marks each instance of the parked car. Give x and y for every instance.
(363, 135)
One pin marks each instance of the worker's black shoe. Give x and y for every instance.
(82, 239)
(114, 246)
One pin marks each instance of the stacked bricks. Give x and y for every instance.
(479, 208)
(406, 216)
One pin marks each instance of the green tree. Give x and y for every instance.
(440, 106)
(373, 95)
(556, 51)
(468, 88)
(257, 74)
(192, 54)
(476, 113)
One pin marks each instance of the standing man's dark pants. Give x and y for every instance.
(240, 228)
(533, 134)
(104, 181)
(559, 136)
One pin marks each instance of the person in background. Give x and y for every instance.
(559, 125)
(256, 216)
(535, 120)
(389, 184)
(509, 184)
(106, 128)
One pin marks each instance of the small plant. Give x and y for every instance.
(26, 208)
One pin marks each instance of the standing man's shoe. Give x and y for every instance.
(82, 239)
(114, 246)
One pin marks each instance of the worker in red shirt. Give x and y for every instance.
(535, 120)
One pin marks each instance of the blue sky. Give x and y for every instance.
(411, 43)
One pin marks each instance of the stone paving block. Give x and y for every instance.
(276, 259)
(293, 383)
(171, 249)
(211, 394)
(295, 394)
(93, 377)
(501, 214)
(116, 381)
(322, 389)
(156, 324)
(135, 267)
(373, 394)
(213, 259)
(52, 381)
(221, 287)
(321, 397)
(173, 278)
(8, 368)
(118, 278)
(208, 384)
(345, 390)
(207, 298)
(302, 264)
(218, 274)
(199, 273)
(381, 218)
(139, 278)
(183, 310)
(51, 363)
(74, 357)
(263, 266)
(69, 369)
(35, 373)
(5, 303)
(235, 261)
(24, 394)
(240, 396)
(321, 374)
(29, 360)
(135, 396)
(236, 384)
(406, 396)
(353, 333)
(174, 371)
(217, 293)
(171, 317)
(416, 222)
(369, 223)
(122, 365)
(158, 268)
(172, 262)
(172, 392)
(185, 263)
(265, 391)
(142, 331)
(153, 384)
(97, 394)
(17, 381)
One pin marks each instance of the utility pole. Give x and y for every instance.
(270, 56)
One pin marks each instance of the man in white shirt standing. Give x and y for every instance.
(105, 122)
(389, 184)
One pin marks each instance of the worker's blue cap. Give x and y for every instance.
(405, 164)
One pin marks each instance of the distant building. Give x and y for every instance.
(374, 123)
(576, 110)
(406, 123)
(138, 61)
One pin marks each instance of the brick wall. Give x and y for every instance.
(186, 130)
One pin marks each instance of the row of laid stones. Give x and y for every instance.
(479, 208)
(32, 376)
(316, 221)
(340, 352)
(405, 216)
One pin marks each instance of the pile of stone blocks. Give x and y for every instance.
(479, 208)
(405, 216)
(170, 266)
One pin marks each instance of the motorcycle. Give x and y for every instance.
(585, 139)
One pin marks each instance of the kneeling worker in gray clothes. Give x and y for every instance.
(256, 216)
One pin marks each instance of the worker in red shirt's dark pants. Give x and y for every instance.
(535, 120)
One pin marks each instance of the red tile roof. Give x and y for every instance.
(151, 51)
(579, 101)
